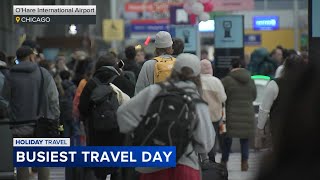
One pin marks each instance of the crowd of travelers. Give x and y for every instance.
(113, 102)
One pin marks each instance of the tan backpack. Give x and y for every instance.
(162, 68)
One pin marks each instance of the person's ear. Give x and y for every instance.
(170, 50)
(30, 58)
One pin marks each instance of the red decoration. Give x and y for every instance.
(193, 19)
(147, 41)
(208, 6)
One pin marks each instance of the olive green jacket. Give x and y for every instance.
(241, 92)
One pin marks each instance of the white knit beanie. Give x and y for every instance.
(163, 40)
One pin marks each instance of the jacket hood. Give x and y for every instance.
(206, 67)
(107, 68)
(241, 75)
(66, 84)
(259, 55)
(26, 67)
(272, 61)
(185, 84)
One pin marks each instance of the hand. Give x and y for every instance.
(222, 127)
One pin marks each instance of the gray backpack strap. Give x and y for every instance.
(40, 92)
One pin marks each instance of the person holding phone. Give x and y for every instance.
(107, 70)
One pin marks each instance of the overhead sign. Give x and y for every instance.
(266, 22)
(150, 21)
(178, 15)
(149, 6)
(229, 31)
(113, 29)
(229, 44)
(315, 18)
(252, 39)
(233, 5)
(189, 36)
(149, 27)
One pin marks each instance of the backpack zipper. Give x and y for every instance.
(169, 132)
(151, 132)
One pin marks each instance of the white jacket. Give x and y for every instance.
(214, 94)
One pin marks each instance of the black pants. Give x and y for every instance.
(218, 139)
(106, 138)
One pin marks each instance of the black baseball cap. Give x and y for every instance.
(23, 52)
(32, 44)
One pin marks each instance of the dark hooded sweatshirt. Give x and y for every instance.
(66, 100)
(22, 90)
(85, 106)
(241, 92)
(103, 138)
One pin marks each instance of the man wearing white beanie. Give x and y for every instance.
(159, 68)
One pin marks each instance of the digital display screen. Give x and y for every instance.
(266, 23)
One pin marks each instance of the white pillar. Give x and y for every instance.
(265, 5)
(198, 52)
(113, 9)
(296, 24)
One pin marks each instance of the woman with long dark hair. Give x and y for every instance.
(278, 89)
(295, 153)
(185, 76)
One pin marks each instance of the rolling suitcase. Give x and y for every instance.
(213, 171)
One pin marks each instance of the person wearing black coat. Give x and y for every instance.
(106, 68)
(130, 63)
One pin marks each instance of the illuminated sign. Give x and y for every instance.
(206, 26)
(266, 22)
(260, 77)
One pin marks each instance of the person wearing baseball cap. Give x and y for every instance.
(37, 51)
(31, 93)
(25, 53)
(185, 76)
(159, 68)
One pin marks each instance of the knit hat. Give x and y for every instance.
(206, 67)
(163, 40)
(187, 60)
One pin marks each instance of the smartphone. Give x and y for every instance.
(120, 64)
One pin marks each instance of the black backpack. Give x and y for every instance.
(130, 76)
(170, 119)
(105, 105)
(66, 101)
